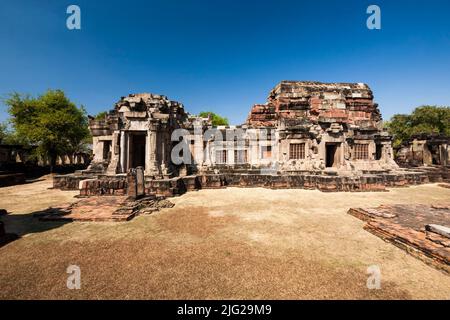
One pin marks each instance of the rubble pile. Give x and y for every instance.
(421, 230)
(100, 208)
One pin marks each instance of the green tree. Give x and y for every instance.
(101, 115)
(424, 119)
(51, 122)
(215, 118)
(8, 136)
(3, 132)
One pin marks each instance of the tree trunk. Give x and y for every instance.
(53, 157)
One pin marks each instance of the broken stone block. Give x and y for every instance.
(406, 230)
(140, 181)
(442, 230)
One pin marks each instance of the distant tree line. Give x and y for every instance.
(424, 119)
(215, 118)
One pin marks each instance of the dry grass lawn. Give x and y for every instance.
(215, 244)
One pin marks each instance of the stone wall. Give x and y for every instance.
(424, 150)
(10, 179)
(69, 181)
(180, 185)
(116, 185)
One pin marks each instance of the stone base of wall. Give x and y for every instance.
(11, 179)
(368, 182)
(90, 185)
(436, 173)
(104, 185)
(371, 181)
(69, 181)
(365, 183)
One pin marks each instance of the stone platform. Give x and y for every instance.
(118, 185)
(104, 208)
(435, 173)
(420, 230)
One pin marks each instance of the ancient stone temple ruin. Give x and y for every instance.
(137, 133)
(320, 126)
(304, 126)
(425, 149)
(307, 135)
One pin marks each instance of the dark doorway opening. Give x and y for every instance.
(378, 151)
(435, 156)
(330, 154)
(107, 150)
(137, 150)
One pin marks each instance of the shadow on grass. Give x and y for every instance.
(27, 181)
(19, 225)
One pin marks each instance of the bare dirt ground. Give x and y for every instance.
(215, 244)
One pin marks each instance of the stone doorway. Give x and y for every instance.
(137, 150)
(106, 150)
(378, 151)
(435, 154)
(331, 154)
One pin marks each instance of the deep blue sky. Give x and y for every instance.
(225, 55)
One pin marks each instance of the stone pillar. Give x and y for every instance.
(163, 149)
(115, 165)
(123, 152)
(340, 154)
(198, 143)
(255, 150)
(151, 165)
(372, 149)
(140, 181)
(277, 147)
(131, 183)
(207, 154)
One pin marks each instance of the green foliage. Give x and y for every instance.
(51, 122)
(3, 132)
(8, 136)
(215, 118)
(424, 119)
(101, 115)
